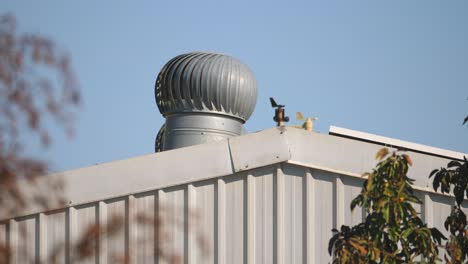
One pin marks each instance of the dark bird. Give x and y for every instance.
(280, 116)
(274, 104)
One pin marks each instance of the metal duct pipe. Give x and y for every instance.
(184, 130)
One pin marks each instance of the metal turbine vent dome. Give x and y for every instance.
(205, 97)
(206, 82)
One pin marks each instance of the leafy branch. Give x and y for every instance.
(392, 231)
(454, 179)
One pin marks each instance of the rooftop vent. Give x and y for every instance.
(204, 97)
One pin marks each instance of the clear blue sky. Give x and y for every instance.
(393, 68)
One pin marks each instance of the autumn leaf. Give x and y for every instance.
(361, 249)
(408, 159)
(381, 154)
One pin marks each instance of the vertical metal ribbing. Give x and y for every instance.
(339, 199)
(208, 64)
(3, 239)
(130, 229)
(234, 93)
(213, 81)
(175, 83)
(253, 95)
(250, 215)
(160, 199)
(181, 86)
(219, 94)
(278, 215)
(155, 222)
(70, 234)
(12, 240)
(338, 202)
(206, 81)
(428, 210)
(102, 223)
(174, 95)
(220, 228)
(200, 84)
(226, 102)
(309, 220)
(189, 225)
(41, 238)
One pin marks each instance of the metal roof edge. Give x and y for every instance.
(207, 161)
(356, 156)
(164, 169)
(392, 142)
(259, 149)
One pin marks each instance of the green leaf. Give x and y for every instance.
(332, 242)
(437, 235)
(386, 213)
(453, 163)
(356, 201)
(459, 194)
(406, 233)
(436, 182)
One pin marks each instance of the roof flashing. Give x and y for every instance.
(396, 143)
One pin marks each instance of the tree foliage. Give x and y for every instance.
(392, 231)
(454, 180)
(36, 84)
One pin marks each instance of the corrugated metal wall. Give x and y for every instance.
(281, 213)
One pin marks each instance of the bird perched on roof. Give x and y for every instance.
(280, 116)
(308, 122)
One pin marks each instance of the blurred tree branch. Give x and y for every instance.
(36, 84)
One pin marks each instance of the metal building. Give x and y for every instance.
(266, 197)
